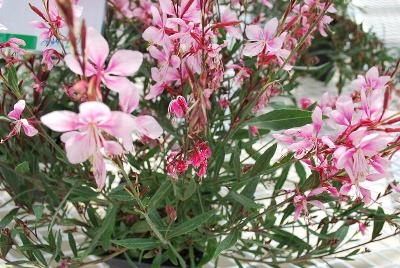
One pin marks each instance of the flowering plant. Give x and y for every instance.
(151, 141)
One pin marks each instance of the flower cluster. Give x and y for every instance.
(197, 157)
(357, 143)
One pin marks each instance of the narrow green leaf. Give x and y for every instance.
(282, 178)
(72, 244)
(263, 162)
(164, 188)
(301, 172)
(311, 182)
(248, 203)
(227, 243)
(190, 225)
(282, 119)
(22, 168)
(38, 211)
(138, 243)
(8, 218)
(379, 222)
(108, 220)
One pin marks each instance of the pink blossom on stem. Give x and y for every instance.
(18, 122)
(51, 57)
(305, 103)
(344, 114)
(301, 202)
(229, 20)
(122, 64)
(265, 42)
(157, 34)
(52, 24)
(178, 107)
(87, 134)
(371, 81)
(361, 160)
(253, 131)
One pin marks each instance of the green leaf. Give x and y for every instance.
(311, 182)
(12, 80)
(289, 239)
(120, 194)
(282, 119)
(189, 190)
(379, 222)
(164, 188)
(301, 172)
(38, 211)
(5, 244)
(209, 252)
(190, 225)
(8, 218)
(248, 203)
(228, 242)
(107, 223)
(263, 162)
(138, 243)
(22, 168)
(282, 178)
(72, 244)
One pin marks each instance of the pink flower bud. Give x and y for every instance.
(253, 131)
(305, 103)
(178, 107)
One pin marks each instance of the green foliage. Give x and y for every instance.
(220, 214)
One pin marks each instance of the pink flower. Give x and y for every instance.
(157, 34)
(178, 107)
(51, 25)
(188, 10)
(371, 88)
(267, 3)
(344, 114)
(253, 131)
(50, 58)
(223, 103)
(371, 81)
(229, 18)
(305, 103)
(14, 44)
(304, 139)
(261, 40)
(163, 79)
(87, 134)
(362, 227)
(165, 58)
(301, 202)
(362, 161)
(18, 122)
(122, 64)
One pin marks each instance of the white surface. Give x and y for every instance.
(380, 16)
(16, 15)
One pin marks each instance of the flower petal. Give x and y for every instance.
(125, 63)
(147, 126)
(79, 146)
(94, 112)
(99, 170)
(97, 48)
(29, 130)
(61, 121)
(254, 33)
(18, 109)
(129, 99)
